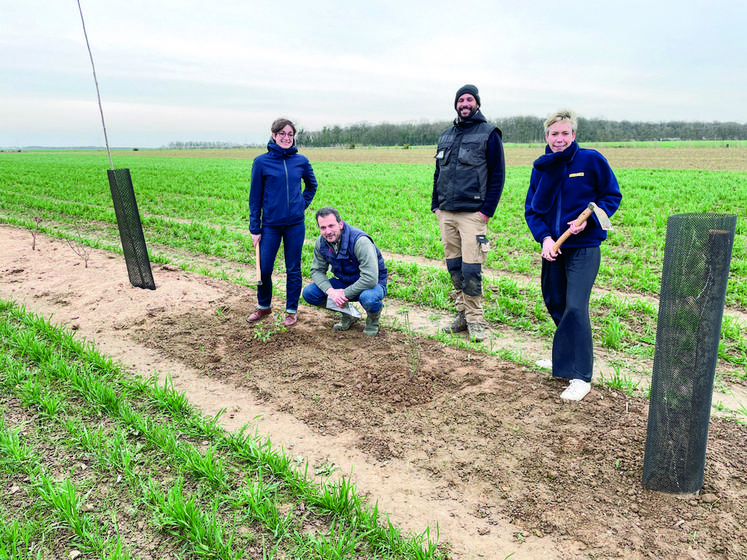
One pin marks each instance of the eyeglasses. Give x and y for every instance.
(285, 134)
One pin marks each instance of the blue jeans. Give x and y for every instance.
(292, 237)
(372, 300)
(566, 289)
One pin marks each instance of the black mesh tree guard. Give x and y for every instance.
(125, 207)
(697, 256)
(130, 229)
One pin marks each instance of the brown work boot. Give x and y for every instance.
(458, 324)
(259, 314)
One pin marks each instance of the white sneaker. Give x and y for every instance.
(544, 364)
(577, 390)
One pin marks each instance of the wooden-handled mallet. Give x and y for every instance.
(256, 264)
(601, 215)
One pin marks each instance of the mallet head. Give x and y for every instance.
(601, 215)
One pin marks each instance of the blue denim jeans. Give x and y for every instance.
(566, 289)
(292, 237)
(372, 300)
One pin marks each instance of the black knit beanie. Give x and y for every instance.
(467, 88)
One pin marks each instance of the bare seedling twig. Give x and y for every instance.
(78, 247)
(412, 346)
(37, 220)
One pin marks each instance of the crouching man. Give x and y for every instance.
(359, 272)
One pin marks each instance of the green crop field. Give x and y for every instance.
(194, 213)
(198, 207)
(194, 210)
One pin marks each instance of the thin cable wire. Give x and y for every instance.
(101, 109)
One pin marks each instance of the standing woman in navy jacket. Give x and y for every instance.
(277, 202)
(563, 183)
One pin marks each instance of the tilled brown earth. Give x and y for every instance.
(482, 448)
(479, 428)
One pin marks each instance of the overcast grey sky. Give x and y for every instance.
(223, 70)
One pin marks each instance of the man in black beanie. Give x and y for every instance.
(467, 185)
(470, 89)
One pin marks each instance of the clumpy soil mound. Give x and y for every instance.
(481, 450)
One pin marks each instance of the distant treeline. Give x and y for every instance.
(521, 130)
(202, 145)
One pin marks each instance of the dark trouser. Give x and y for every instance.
(292, 237)
(566, 289)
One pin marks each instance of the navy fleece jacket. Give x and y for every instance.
(560, 188)
(276, 197)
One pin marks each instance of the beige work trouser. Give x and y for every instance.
(463, 235)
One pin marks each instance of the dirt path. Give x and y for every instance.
(441, 437)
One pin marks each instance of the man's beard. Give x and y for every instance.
(469, 115)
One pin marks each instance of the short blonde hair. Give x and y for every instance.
(563, 115)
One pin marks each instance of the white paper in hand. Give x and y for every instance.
(349, 308)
